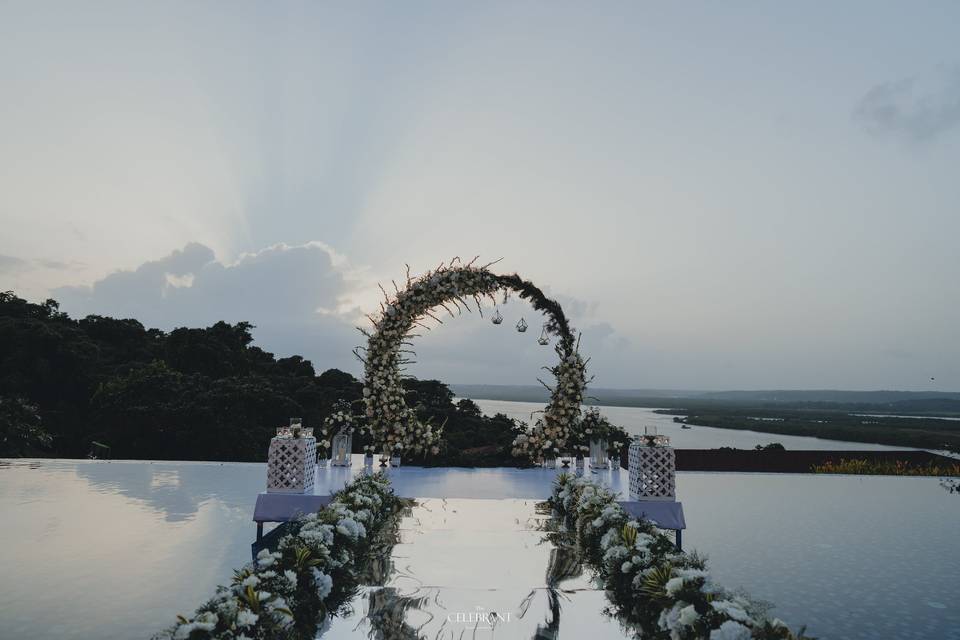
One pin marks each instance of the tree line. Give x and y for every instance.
(113, 388)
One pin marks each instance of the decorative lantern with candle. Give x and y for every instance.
(653, 467)
(342, 446)
(292, 459)
(338, 427)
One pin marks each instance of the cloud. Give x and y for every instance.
(299, 299)
(291, 293)
(11, 264)
(914, 108)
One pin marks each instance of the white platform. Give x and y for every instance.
(454, 482)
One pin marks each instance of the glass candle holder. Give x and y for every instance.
(599, 454)
(342, 447)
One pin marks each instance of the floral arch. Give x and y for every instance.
(395, 426)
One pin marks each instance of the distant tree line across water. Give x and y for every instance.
(112, 387)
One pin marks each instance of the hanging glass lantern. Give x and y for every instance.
(522, 325)
(497, 318)
(544, 339)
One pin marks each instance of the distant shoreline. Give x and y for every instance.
(915, 419)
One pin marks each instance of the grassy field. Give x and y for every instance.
(897, 468)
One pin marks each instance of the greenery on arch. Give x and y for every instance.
(451, 289)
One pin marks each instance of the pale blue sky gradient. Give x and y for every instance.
(730, 195)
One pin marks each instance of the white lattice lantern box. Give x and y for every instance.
(292, 461)
(653, 467)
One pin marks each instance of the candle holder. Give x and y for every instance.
(653, 467)
(599, 454)
(291, 461)
(342, 448)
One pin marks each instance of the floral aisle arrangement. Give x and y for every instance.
(287, 593)
(395, 427)
(659, 591)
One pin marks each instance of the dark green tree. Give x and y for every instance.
(21, 433)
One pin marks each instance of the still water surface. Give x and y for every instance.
(113, 550)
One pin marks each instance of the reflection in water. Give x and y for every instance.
(387, 615)
(478, 569)
(175, 489)
(564, 564)
(113, 550)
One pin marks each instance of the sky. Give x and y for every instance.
(722, 195)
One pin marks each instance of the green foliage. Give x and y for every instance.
(654, 583)
(468, 407)
(20, 431)
(773, 446)
(197, 394)
(886, 468)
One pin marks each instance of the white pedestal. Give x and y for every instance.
(291, 465)
(653, 472)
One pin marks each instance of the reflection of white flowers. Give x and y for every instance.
(266, 597)
(626, 554)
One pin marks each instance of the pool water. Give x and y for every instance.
(114, 550)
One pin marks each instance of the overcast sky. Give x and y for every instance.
(723, 195)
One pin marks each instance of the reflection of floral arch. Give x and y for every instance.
(394, 425)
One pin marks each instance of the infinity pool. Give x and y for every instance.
(113, 550)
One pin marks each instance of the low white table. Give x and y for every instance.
(495, 483)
